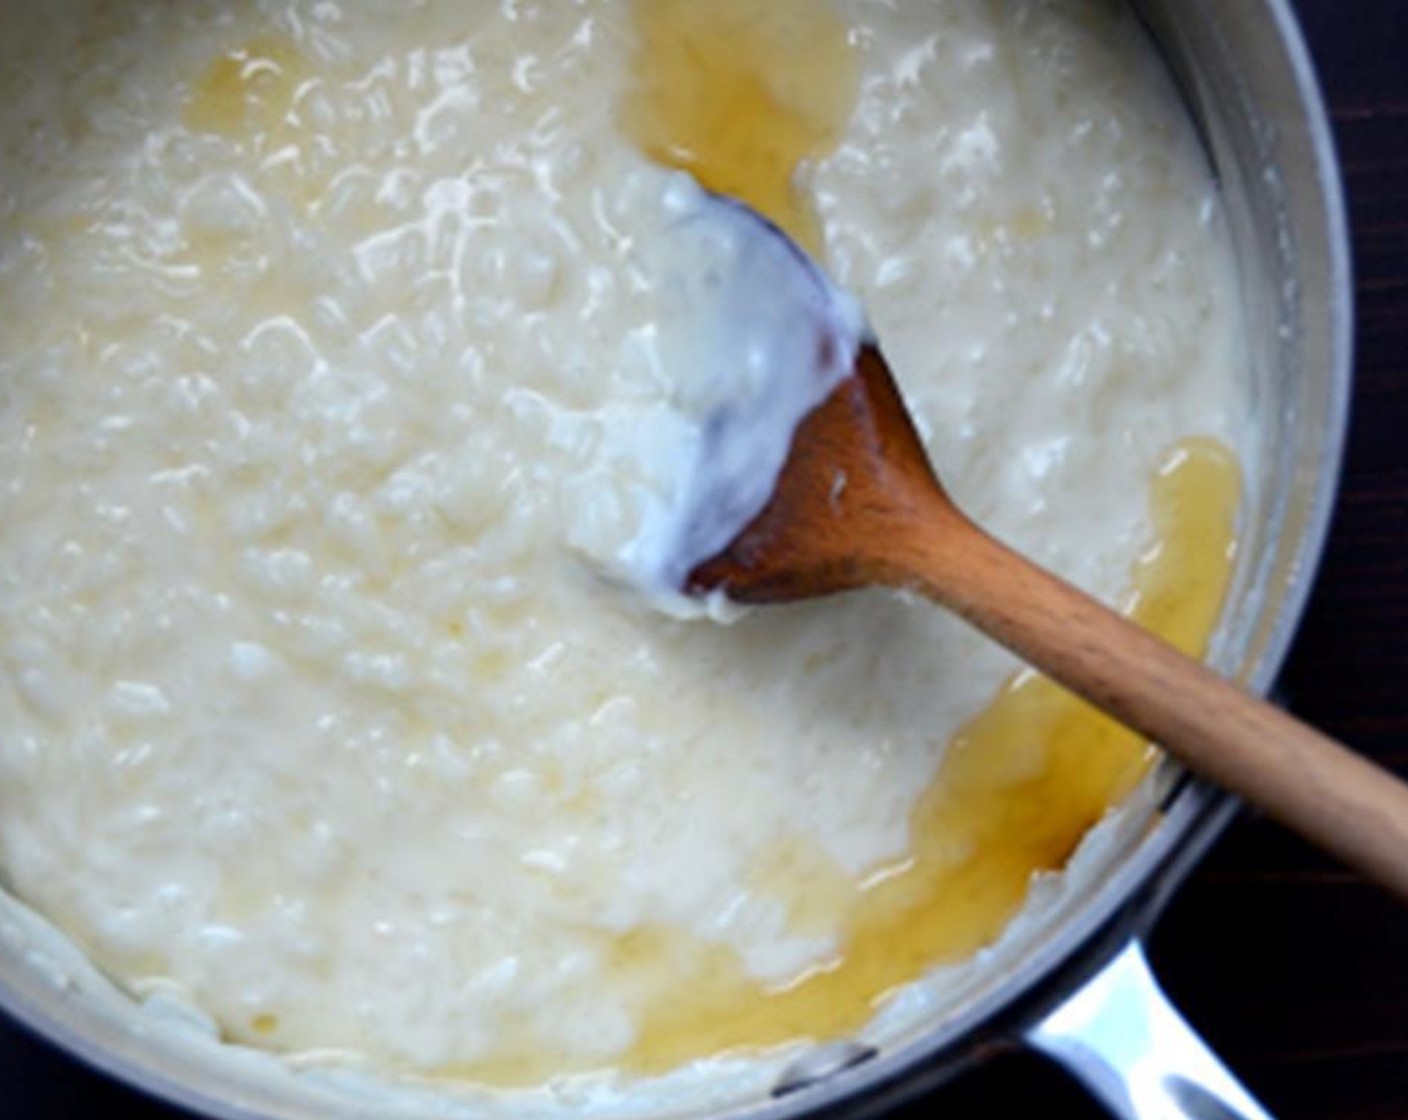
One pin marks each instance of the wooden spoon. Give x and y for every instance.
(858, 504)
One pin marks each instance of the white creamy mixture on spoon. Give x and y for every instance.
(754, 336)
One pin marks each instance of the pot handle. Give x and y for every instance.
(1121, 1038)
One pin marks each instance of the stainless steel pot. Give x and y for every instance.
(1079, 988)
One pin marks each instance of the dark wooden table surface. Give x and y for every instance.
(1295, 971)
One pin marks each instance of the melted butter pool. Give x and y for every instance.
(248, 90)
(740, 94)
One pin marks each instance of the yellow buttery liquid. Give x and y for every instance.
(739, 94)
(247, 90)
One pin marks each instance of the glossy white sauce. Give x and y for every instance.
(314, 443)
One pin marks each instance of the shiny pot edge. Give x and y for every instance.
(1120, 911)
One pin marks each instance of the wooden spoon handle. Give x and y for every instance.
(1304, 779)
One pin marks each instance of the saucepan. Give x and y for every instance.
(1074, 983)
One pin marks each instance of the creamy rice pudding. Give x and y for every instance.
(333, 390)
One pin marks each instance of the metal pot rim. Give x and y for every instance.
(1119, 908)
